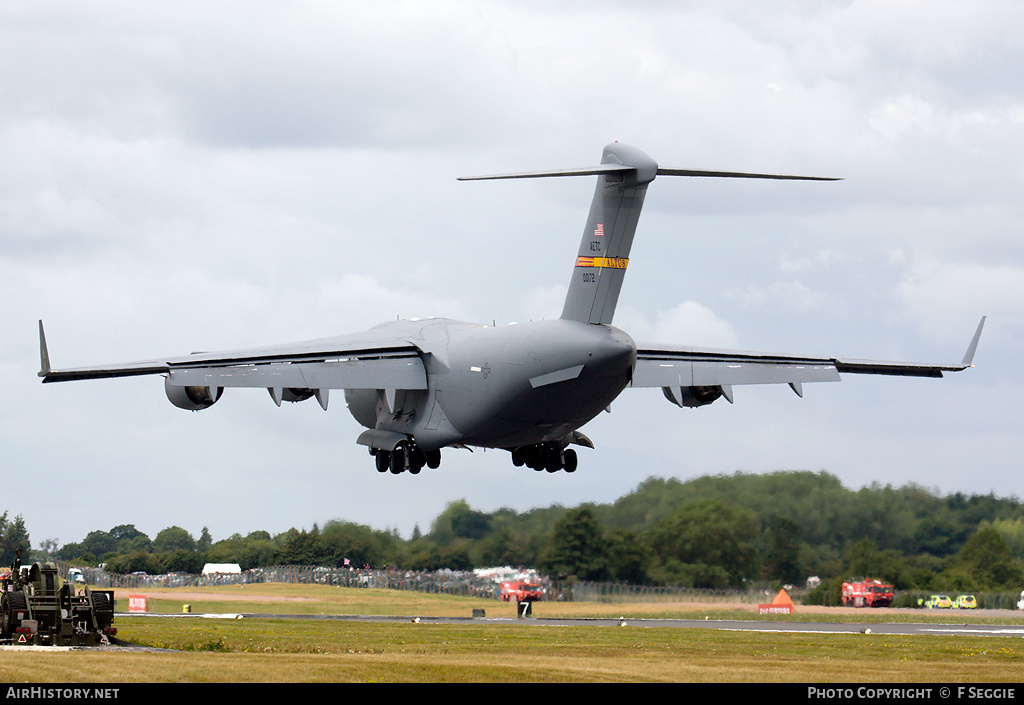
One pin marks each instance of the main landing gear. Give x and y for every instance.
(545, 456)
(405, 456)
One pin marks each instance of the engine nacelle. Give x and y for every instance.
(363, 405)
(192, 398)
(293, 394)
(693, 396)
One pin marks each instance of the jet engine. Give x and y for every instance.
(693, 396)
(362, 403)
(192, 398)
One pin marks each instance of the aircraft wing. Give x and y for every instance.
(683, 367)
(358, 361)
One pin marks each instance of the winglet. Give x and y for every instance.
(44, 355)
(969, 357)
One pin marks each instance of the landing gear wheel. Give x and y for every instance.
(533, 457)
(545, 456)
(398, 461)
(383, 460)
(570, 461)
(406, 456)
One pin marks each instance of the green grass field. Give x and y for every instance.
(266, 649)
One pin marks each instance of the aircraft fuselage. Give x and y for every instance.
(504, 387)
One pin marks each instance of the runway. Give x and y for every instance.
(904, 629)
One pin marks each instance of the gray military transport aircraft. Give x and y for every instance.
(421, 385)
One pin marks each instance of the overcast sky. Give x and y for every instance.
(214, 175)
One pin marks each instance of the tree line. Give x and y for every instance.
(725, 531)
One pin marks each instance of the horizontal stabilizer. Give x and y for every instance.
(664, 171)
(581, 171)
(661, 171)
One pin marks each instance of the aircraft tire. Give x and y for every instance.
(416, 460)
(397, 462)
(570, 460)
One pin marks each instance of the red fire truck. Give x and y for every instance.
(520, 591)
(864, 592)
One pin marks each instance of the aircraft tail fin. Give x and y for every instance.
(623, 177)
(603, 256)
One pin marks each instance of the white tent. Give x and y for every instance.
(221, 568)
